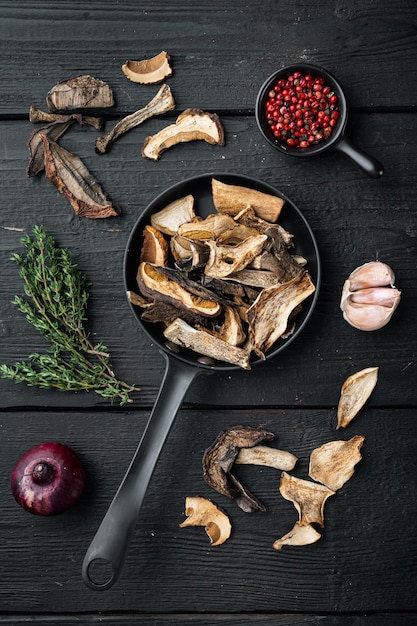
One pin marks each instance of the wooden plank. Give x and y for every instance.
(364, 562)
(338, 200)
(221, 55)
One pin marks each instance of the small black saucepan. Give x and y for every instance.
(104, 558)
(337, 139)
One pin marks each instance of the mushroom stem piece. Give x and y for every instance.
(161, 103)
(264, 455)
(36, 115)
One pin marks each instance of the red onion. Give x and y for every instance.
(48, 479)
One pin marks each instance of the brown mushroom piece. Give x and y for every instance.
(155, 247)
(231, 331)
(333, 463)
(191, 125)
(205, 344)
(37, 115)
(268, 316)
(157, 282)
(161, 103)
(299, 535)
(80, 92)
(169, 219)
(211, 227)
(202, 512)
(188, 252)
(265, 455)
(149, 71)
(308, 498)
(225, 260)
(219, 458)
(53, 131)
(232, 199)
(354, 393)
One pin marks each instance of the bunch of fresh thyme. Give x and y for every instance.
(59, 295)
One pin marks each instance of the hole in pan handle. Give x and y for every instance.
(105, 556)
(367, 163)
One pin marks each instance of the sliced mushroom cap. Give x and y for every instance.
(354, 393)
(209, 228)
(231, 331)
(232, 199)
(169, 219)
(203, 512)
(299, 535)
(149, 71)
(308, 498)
(155, 247)
(192, 124)
(225, 260)
(333, 463)
(218, 460)
(80, 92)
(188, 250)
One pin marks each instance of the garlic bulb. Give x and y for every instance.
(369, 297)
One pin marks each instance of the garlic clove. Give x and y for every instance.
(382, 296)
(372, 274)
(367, 316)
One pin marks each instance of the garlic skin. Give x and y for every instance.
(369, 297)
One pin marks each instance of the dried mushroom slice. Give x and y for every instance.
(268, 316)
(53, 131)
(226, 260)
(72, 178)
(191, 125)
(354, 393)
(264, 455)
(149, 71)
(209, 228)
(308, 498)
(333, 463)
(232, 199)
(169, 219)
(81, 92)
(204, 343)
(299, 535)
(218, 460)
(155, 247)
(231, 330)
(203, 512)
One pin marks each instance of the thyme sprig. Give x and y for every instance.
(57, 308)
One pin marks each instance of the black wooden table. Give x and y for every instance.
(363, 570)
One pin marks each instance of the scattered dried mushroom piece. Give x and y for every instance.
(203, 512)
(149, 71)
(308, 498)
(354, 393)
(333, 463)
(299, 535)
(192, 124)
(36, 115)
(264, 455)
(53, 131)
(80, 92)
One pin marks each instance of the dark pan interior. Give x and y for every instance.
(200, 187)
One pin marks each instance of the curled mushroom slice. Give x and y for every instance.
(232, 199)
(298, 536)
(333, 463)
(155, 247)
(354, 393)
(80, 92)
(264, 455)
(268, 316)
(218, 460)
(203, 512)
(161, 103)
(225, 260)
(162, 283)
(231, 330)
(308, 498)
(192, 124)
(209, 228)
(149, 71)
(169, 219)
(204, 343)
(53, 131)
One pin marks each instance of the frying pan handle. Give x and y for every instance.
(369, 165)
(104, 557)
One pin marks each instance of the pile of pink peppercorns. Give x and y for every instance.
(301, 110)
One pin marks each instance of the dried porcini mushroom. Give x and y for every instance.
(268, 316)
(169, 219)
(155, 247)
(72, 178)
(232, 199)
(299, 535)
(161, 103)
(369, 297)
(333, 463)
(218, 460)
(354, 393)
(80, 92)
(149, 71)
(265, 455)
(53, 131)
(225, 260)
(204, 343)
(203, 512)
(308, 498)
(36, 115)
(192, 124)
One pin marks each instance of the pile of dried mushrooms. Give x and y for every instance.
(224, 286)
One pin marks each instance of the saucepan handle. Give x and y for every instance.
(370, 166)
(105, 556)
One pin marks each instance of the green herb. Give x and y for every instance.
(59, 295)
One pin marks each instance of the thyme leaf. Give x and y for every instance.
(56, 305)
